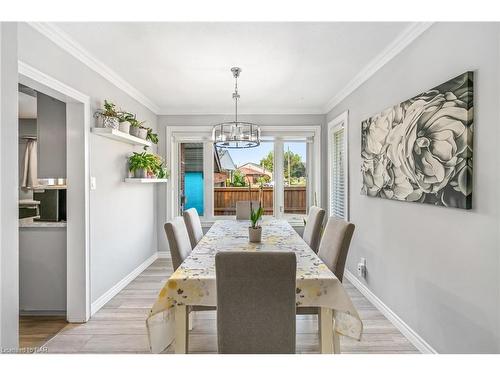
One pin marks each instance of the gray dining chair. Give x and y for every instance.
(255, 302)
(243, 209)
(312, 230)
(180, 248)
(178, 241)
(193, 226)
(333, 251)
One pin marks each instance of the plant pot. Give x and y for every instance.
(143, 133)
(124, 127)
(141, 173)
(134, 130)
(255, 234)
(107, 122)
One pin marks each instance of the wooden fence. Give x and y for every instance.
(225, 199)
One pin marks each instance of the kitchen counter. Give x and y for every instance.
(30, 223)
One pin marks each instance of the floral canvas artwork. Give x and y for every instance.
(421, 149)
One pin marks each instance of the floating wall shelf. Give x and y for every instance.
(120, 136)
(146, 180)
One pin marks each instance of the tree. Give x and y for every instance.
(268, 161)
(297, 167)
(239, 179)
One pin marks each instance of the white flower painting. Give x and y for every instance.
(421, 149)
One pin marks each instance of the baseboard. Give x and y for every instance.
(163, 255)
(61, 313)
(106, 297)
(404, 328)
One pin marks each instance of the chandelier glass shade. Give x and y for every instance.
(236, 134)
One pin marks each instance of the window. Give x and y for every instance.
(295, 180)
(240, 174)
(191, 182)
(337, 167)
(212, 180)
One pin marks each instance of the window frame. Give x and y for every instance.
(339, 122)
(203, 134)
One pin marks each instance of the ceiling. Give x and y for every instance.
(184, 68)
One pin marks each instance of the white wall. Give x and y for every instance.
(437, 268)
(123, 216)
(9, 299)
(208, 120)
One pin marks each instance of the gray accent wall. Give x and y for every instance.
(123, 216)
(51, 124)
(436, 268)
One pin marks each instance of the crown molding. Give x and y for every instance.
(64, 41)
(248, 112)
(404, 39)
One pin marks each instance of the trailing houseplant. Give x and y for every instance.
(152, 137)
(255, 230)
(107, 117)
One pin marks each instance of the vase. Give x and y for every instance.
(124, 127)
(143, 133)
(141, 173)
(108, 122)
(255, 234)
(134, 130)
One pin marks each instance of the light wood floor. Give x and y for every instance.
(119, 327)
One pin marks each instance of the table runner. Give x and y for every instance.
(193, 283)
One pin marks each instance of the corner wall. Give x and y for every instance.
(436, 268)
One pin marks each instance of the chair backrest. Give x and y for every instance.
(178, 241)
(255, 302)
(193, 226)
(312, 230)
(335, 245)
(243, 209)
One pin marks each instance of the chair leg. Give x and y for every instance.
(181, 331)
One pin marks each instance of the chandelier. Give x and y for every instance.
(236, 134)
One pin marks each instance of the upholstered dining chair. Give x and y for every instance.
(333, 251)
(193, 226)
(255, 302)
(180, 248)
(312, 230)
(178, 241)
(243, 209)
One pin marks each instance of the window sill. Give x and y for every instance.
(207, 223)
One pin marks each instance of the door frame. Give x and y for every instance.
(78, 115)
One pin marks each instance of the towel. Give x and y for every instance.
(30, 177)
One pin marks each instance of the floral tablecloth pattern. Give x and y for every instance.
(193, 283)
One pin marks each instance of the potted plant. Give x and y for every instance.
(255, 230)
(143, 131)
(107, 117)
(124, 125)
(152, 137)
(160, 170)
(142, 164)
(135, 125)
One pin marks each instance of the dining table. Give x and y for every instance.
(194, 284)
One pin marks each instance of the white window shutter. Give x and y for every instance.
(338, 183)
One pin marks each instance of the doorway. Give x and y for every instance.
(77, 116)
